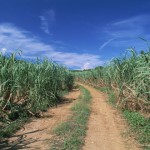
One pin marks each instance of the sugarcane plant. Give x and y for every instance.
(127, 76)
(27, 88)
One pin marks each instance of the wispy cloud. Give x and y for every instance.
(129, 28)
(12, 38)
(47, 19)
(106, 43)
(133, 22)
(126, 33)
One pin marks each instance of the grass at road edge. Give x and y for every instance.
(9, 129)
(70, 134)
(140, 126)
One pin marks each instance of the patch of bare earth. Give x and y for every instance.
(38, 133)
(106, 127)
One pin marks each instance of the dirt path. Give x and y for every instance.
(37, 134)
(106, 126)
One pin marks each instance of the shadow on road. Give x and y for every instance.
(20, 142)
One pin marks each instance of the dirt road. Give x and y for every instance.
(37, 134)
(106, 126)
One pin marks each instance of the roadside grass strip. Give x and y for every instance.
(140, 126)
(70, 134)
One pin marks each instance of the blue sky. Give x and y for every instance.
(79, 34)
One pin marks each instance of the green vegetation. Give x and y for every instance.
(126, 81)
(27, 88)
(128, 77)
(70, 134)
(9, 129)
(140, 126)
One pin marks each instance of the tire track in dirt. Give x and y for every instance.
(106, 126)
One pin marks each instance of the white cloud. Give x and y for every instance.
(86, 66)
(3, 50)
(77, 60)
(13, 38)
(47, 18)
